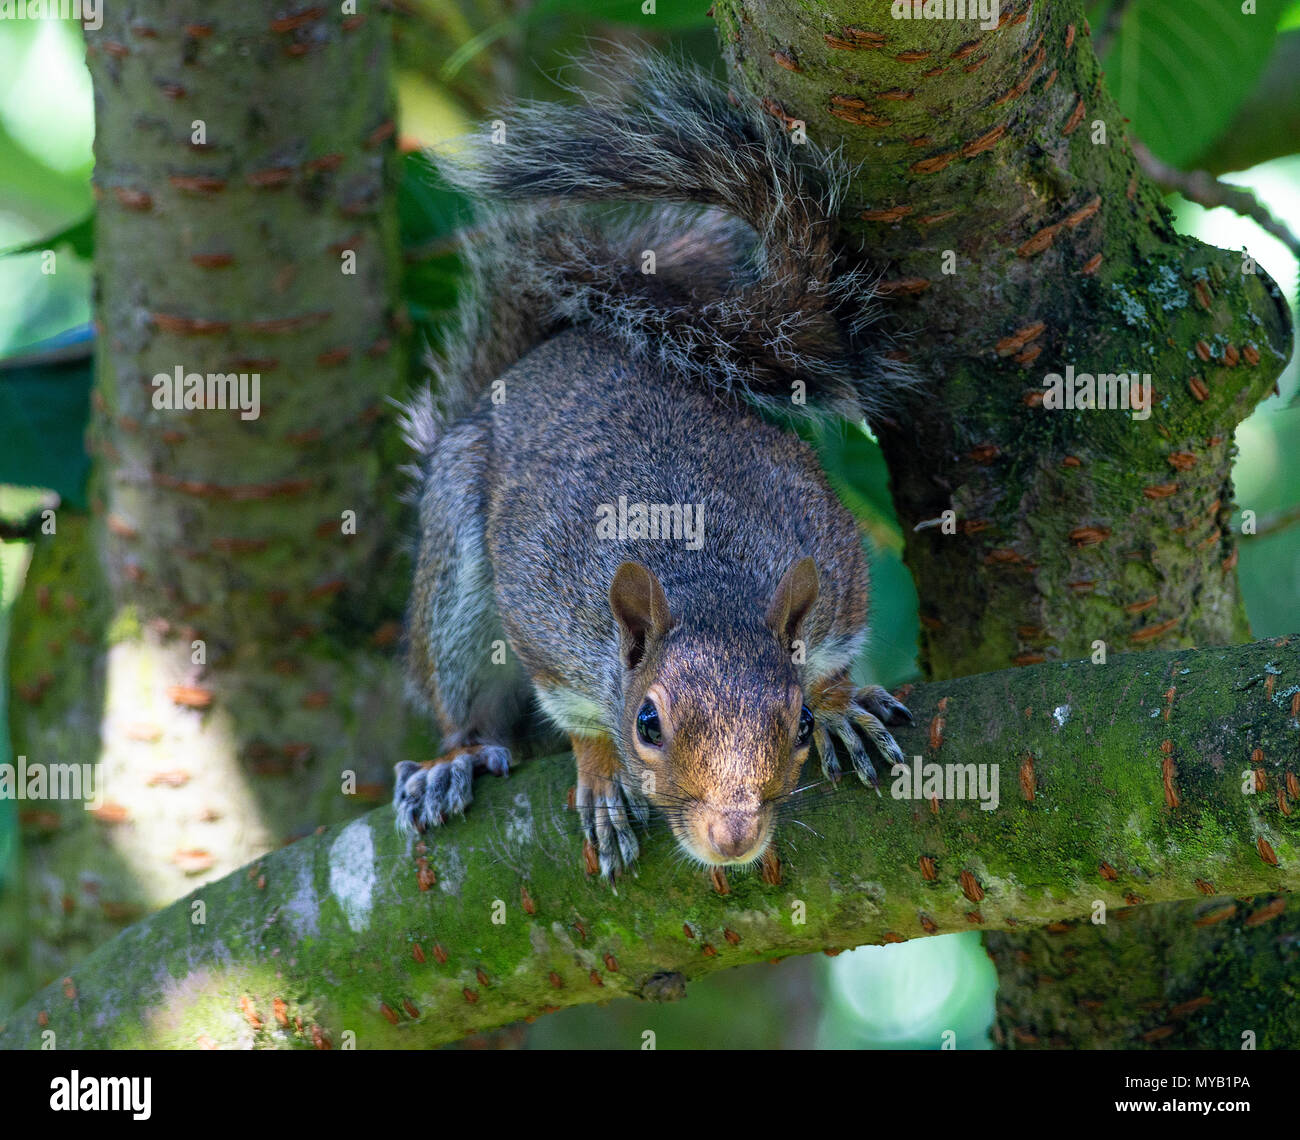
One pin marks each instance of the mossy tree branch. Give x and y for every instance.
(1120, 783)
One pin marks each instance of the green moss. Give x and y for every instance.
(330, 926)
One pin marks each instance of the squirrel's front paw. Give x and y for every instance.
(860, 730)
(604, 809)
(426, 794)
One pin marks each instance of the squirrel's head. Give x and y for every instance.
(714, 730)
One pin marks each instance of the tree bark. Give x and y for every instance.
(1072, 526)
(216, 636)
(1225, 979)
(1119, 785)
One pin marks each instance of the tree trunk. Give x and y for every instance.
(1072, 526)
(216, 636)
(1214, 974)
(1102, 806)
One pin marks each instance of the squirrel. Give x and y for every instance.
(606, 522)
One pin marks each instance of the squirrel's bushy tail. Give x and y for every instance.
(748, 293)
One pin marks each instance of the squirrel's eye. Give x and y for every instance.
(805, 727)
(647, 725)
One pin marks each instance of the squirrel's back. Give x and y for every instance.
(599, 458)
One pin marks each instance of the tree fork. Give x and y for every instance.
(1119, 784)
(1001, 152)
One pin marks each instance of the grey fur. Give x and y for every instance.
(617, 384)
(749, 295)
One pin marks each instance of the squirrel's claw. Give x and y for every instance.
(879, 737)
(426, 794)
(604, 815)
(883, 705)
(861, 732)
(841, 728)
(637, 804)
(826, 753)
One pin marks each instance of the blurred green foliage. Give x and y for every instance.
(1179, 70)
(8, 808)
(930, 994)
(44, 407)
(45, 132)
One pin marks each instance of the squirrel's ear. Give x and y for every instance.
(641, 608)
(794, 597)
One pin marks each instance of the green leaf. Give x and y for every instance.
(44, 407)
(668, 16)
(8, 807)
(80, 235)
(856, 468)
(429, 211)
(430, 214)
(1180, 68)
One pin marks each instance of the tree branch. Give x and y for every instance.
(1204, 189)
(1110, 29)
(1119, 782)
(1273, 523)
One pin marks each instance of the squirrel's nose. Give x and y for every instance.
(734, 834)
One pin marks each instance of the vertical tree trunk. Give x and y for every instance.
(1215, 973)
(215, 636)
(1072, 526)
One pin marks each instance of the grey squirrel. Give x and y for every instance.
(584, 407)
